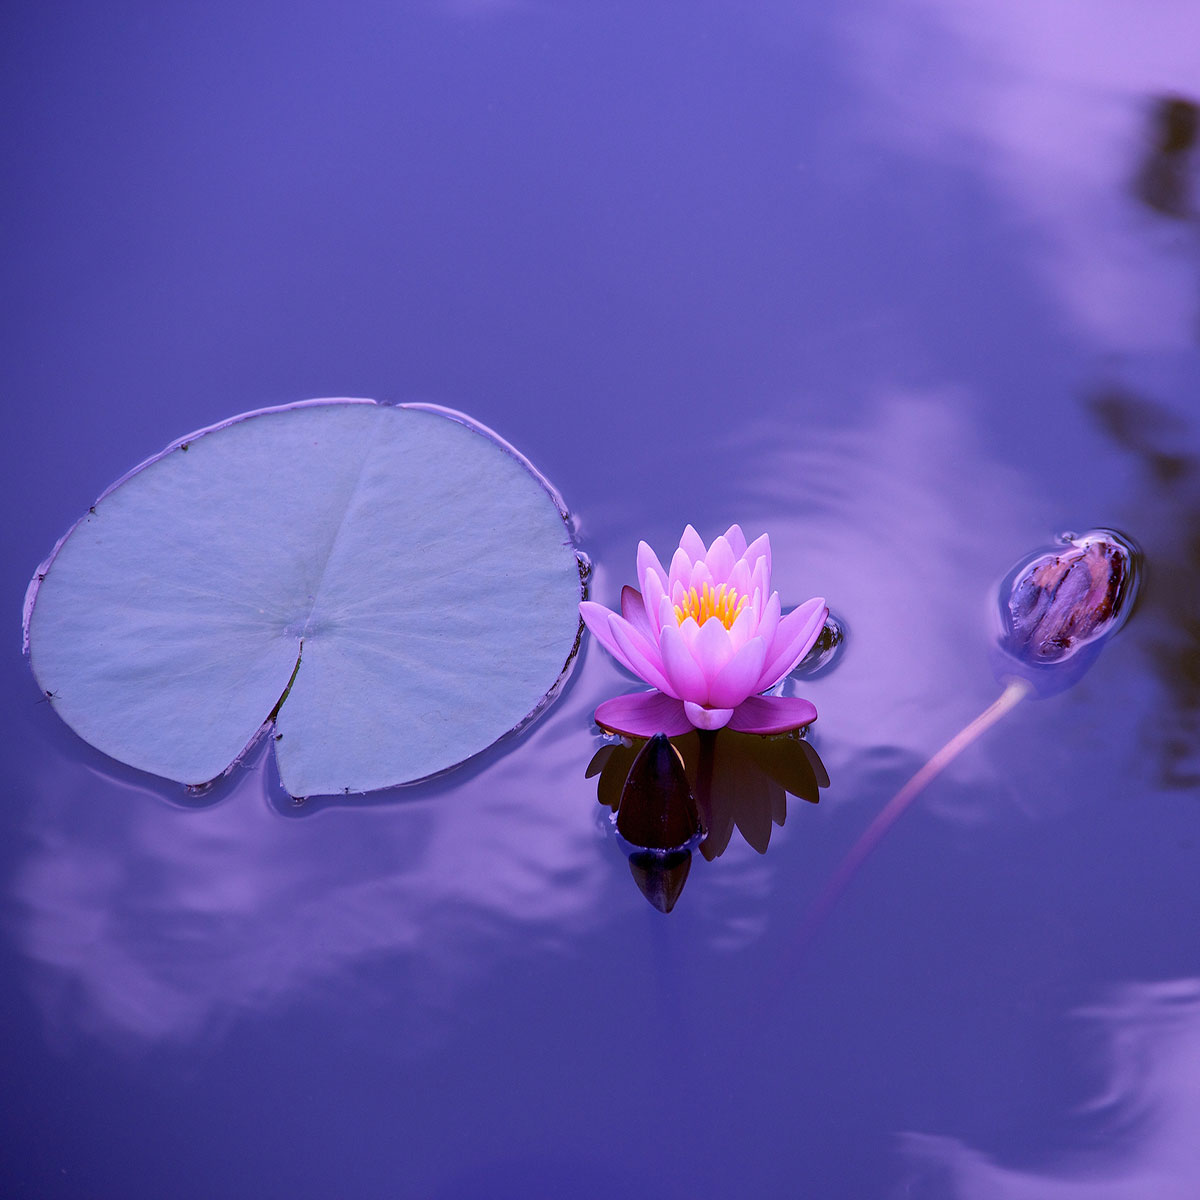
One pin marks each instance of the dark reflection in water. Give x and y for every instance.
(1155, 436)
(670, 796)
(1164, 179)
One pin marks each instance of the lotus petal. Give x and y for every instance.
(772, 714)
(710, 634)
(736, 679)
(736, 539)
(720, 560)
(647, 560)
(706, 718)
(633, 609)
(692, 544)
(681, 667)
(793, 639)
(644, 657)
(713, 648)
(642, 715)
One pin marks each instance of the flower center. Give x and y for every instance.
(724, 604)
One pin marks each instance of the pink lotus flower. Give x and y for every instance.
(709, 637)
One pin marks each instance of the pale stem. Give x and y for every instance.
(1014, 692)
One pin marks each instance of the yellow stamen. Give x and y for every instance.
(724, 604)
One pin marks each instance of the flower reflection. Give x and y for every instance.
(709, 635)
(672, 795)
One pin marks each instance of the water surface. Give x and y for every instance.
(911, 287)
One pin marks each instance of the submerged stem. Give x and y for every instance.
(704, 776)
(1014, 692)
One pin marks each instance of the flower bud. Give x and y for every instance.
(1059, 608)
(657, 810)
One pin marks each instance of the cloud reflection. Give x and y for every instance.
(906, 525)
(1055, 134)
(1145, 1120)
(147, 923)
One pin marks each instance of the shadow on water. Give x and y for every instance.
(257, 760)
(1164, 180)
(670, 796)
(1156, 437)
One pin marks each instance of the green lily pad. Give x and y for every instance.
(408, 574)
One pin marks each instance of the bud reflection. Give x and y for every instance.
(672, 795)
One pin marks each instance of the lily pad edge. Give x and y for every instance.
(261, 734)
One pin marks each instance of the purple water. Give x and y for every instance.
(913, 287)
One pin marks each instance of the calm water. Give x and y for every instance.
(913, 288)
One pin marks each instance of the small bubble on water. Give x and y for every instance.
(825, 650)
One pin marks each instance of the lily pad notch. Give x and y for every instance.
(394, 586)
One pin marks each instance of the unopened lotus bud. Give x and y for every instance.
(657, 810)
(1057, 606)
